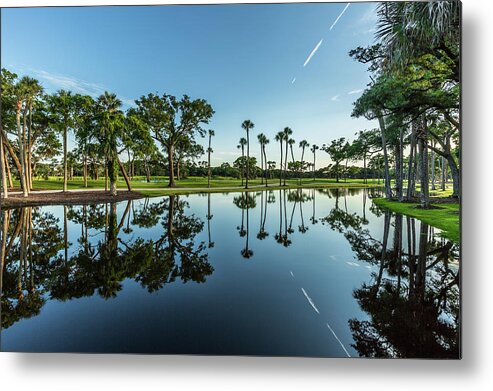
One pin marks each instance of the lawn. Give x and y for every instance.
(56, 183)
(445, 217)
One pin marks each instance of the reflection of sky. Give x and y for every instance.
(241, 58)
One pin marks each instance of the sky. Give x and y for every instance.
(276, 64)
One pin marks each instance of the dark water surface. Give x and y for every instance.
(286, 272)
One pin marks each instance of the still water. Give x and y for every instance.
(314, 272)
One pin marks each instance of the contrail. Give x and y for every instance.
(294, 79)
(339, 17)
(313, 53)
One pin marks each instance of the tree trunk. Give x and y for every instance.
(11, 151)
(423, 166)
(3, 172)
(7, 166)
(247, 160)
(112, 173)
(22, 173)
(433, 157)
(388, 190)
(85, 171)
(148, 171)
(265, 163)
(444, 172)
(171, 169)
(127, 179)
(410, 193)
(209, 163)
(65, 161)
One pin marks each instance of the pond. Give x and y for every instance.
(313, 272)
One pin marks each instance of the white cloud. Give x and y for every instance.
(355, 91)
(339, 17)
(312, 53)
(59, 82)
(335, 98)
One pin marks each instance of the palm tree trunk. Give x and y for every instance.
(423, 166)
(7, 167)
(280, 167)
(209, 163)
(3, 173)
(248, 159)
(22, 173)
(285, 163)
(388, 190)
(265, 163)
(65, 162)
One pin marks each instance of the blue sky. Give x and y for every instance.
(241, 58)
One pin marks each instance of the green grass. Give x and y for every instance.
(445, 218)
(56, 183)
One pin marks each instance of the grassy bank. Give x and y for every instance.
(56, 183)
(445, 217)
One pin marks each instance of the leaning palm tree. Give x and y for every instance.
(280, 138)
(303, 144)
(242, 143)
(287, 132)
(314, 150)
(209, 151)
(247, 125)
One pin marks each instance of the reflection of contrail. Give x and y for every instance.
(310, 301)
(338, 340)
(313, 53)
(339, 17)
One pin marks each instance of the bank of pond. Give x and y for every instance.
(288, 272)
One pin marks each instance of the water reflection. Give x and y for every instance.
(408, 303)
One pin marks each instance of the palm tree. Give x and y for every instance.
(265, 142)
(111, 121)
(303, 144)
(280, 137)
(314, 150)
(409, 29)
(261, 137)
(209, 150)
(242, 143)
(287, 132)
(247, 125)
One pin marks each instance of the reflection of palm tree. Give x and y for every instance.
(262, 234)
(245, 202)
(313, 219)
(209, 218)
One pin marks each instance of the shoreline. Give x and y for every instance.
(90, 196)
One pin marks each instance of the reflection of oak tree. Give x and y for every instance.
(178, 241)
(414, 306)
(31, 242)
